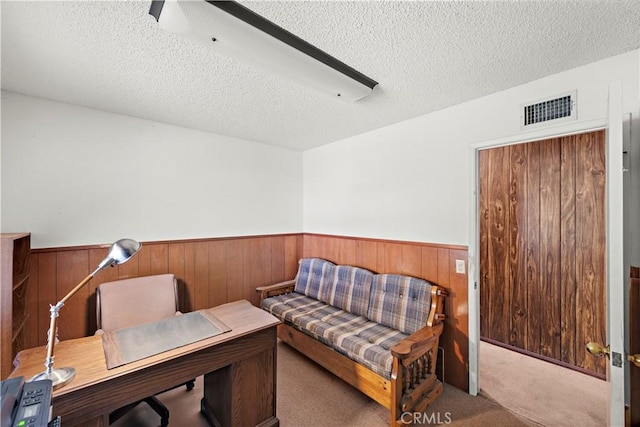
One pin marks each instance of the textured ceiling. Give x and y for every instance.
(426, 55)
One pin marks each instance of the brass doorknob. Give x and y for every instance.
(597, 349)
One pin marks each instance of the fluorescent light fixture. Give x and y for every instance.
(235, 31)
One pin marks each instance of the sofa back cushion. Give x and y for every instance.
(314, 275)
(342, 286)
(400, 302)
(350, 290)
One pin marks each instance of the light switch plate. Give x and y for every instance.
(460, 266)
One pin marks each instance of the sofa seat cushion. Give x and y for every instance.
(356, 337)
(342, 286)
(287, 307)
(369, 344)
(313, 317)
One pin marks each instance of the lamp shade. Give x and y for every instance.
(120, 252)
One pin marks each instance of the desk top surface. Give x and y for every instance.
(86, 355)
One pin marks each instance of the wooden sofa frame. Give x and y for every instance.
(413, 385)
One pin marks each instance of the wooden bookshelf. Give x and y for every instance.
(14, 282)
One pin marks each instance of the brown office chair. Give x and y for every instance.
(130, 302)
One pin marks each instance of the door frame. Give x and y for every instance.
(617, 260)
(474, 226)
(614, 237)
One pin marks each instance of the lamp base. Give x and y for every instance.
(58, 376)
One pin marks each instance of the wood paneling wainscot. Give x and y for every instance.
(210, 272)
(220, 270)
(433, 262)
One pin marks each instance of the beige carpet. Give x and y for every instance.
(309, 396)
(545, 393)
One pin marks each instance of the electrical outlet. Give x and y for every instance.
(460, 267)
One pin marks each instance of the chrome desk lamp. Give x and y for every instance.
(119, 252)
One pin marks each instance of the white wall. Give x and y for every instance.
(63, 169)
(410, 181)
(74, 176)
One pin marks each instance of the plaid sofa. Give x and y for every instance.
(354, 311)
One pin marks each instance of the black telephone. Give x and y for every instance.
(26, 404)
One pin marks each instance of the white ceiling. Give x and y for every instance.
(426, 55)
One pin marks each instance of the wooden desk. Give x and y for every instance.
(239, 369)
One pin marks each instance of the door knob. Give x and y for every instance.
(597, 349)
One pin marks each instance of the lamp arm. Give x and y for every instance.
(77, 288)
(54, 310)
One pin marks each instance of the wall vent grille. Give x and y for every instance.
(562, 107)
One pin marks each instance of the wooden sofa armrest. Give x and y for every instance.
(417, 344)
(414, 361)
(437, 305)
(276, 289)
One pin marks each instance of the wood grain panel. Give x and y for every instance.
(534, 296)
(176, 263)
(498, 255)
(590, 246)
(187, 299)
(429, 264)
(517, 245)
(47, 274)
(412, 260)
(277, 259)
(74, 316)
(201, 276)
(159, 258)
(345, 251)
(456, 343)
(443, 267)
(217, 273)
(293, 249)
(554, 237)
(391, 257)
(483, 240)
(367, 254)
(568, 249)
(237, 268)
(550, 247)
(260, 267)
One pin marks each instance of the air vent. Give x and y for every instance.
(561, 107)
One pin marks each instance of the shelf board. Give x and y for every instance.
(18, 326)
(21, 281)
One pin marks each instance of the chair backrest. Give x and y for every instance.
(130, 302)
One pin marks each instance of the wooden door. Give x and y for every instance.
(542, 247)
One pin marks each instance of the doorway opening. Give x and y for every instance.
(542, 276)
